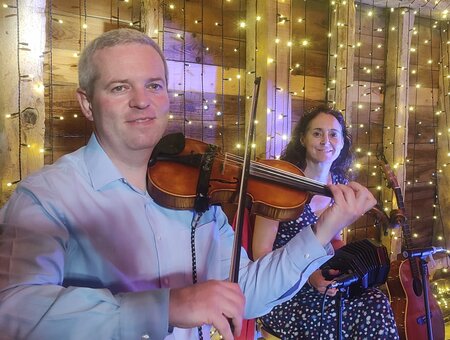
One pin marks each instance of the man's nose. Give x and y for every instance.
(140, 98)
(325, 139)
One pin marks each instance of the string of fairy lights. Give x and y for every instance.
(361, 84)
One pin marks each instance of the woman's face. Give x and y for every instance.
(323, 139)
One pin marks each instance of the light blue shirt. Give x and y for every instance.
(85, 255)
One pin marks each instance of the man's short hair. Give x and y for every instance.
(87, 73)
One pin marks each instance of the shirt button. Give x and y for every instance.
(145, 337)
(306, 256)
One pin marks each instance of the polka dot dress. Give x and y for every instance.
(367, 316)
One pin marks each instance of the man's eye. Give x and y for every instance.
(118, 88)
(155, 86)
(316, 134)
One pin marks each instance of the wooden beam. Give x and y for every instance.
(22, 94)
(443, 149)
(395, 136)
(341, 58)
(428, 7)
(271, 61)
(152, 19)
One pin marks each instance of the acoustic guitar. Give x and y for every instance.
(404, 282)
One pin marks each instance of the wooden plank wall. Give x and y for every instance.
(208, 99)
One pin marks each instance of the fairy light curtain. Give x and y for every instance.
(365, 121)
(310, 36)
(421, 160)
(204, 43)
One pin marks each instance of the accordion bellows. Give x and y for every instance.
(367, 259)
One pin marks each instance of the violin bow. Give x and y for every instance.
(237, 241)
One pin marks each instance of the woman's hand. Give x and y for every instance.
(318, 282)
(350, 202)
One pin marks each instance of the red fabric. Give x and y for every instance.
(248, 326)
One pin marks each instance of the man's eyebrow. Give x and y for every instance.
(321, 129)
(116, 81)
(126, 81)
(157, 79)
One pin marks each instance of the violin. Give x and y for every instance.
(277, 189)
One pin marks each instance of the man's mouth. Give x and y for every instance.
(142, 120)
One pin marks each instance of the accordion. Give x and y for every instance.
(365, 258)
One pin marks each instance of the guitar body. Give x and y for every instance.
(408, 308)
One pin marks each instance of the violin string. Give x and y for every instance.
(276, 174)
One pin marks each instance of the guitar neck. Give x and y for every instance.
(406, 229)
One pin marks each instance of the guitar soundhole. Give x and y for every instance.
(417, 287)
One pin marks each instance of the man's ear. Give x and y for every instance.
(85, 104)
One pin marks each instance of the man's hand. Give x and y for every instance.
(350, 202)
(208, 303)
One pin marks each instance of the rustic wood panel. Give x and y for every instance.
(423, 6)
(190, 18)
(218, 56)
(210, 49)
(312, 59)
(370, 49)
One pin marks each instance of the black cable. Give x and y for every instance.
(194, 260)
(322, 320)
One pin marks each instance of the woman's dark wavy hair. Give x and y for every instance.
(295, 152)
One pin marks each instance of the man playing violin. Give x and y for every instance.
(86, 253)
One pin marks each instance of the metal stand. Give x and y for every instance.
(424, 273)
(342, 294)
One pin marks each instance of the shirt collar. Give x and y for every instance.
(100, 167)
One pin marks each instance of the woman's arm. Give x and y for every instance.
(264, 233)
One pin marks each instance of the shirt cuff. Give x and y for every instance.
(145, 314)
(306, 247)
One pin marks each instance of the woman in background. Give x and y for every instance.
(320, 146)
